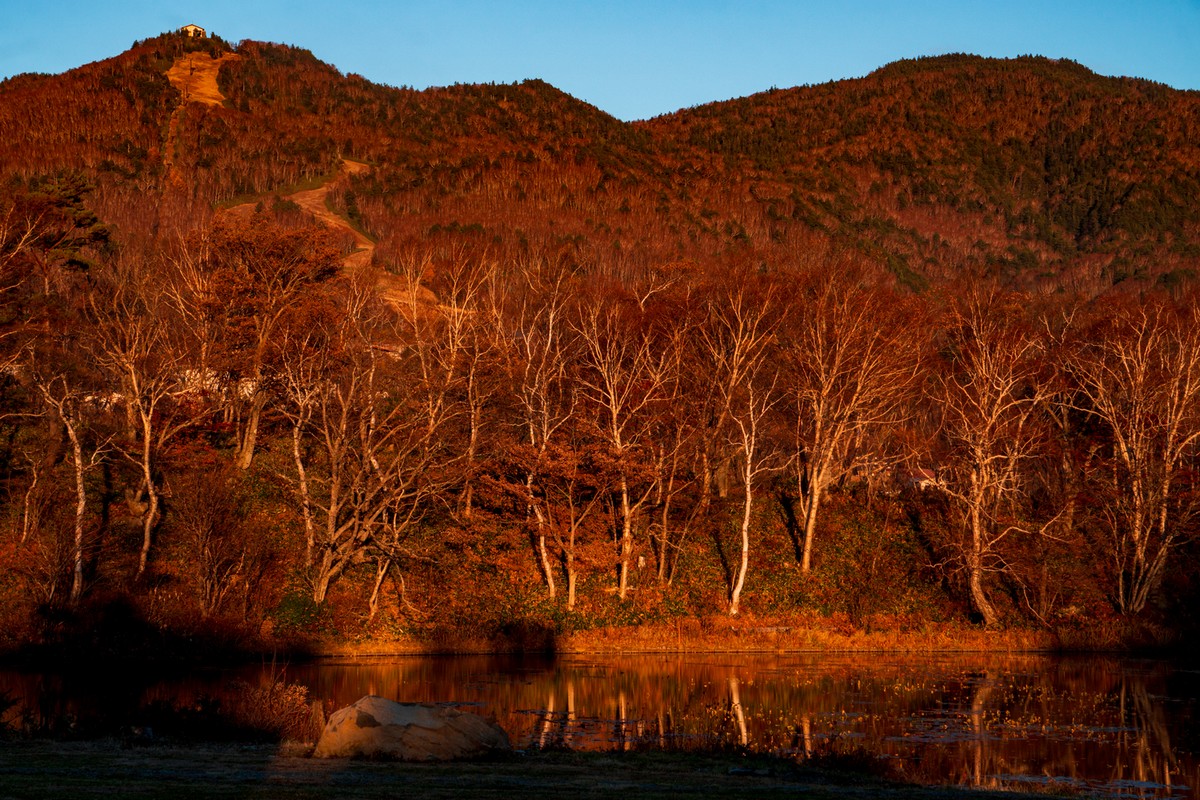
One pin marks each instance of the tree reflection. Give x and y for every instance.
(735, 707)
(1145, 755)
(983, 691)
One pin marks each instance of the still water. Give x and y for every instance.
(1117, 727)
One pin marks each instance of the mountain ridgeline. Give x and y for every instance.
(1033, 172)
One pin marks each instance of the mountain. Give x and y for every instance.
(1034, 172)
(626, 353)
(1030, 169)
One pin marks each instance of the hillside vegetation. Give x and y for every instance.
(919, 348)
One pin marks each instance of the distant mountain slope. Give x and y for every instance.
(1019, 166)
(1036, 172)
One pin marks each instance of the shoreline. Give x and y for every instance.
(776, 635)
(779, 635)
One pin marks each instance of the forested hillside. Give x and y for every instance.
(919, 347)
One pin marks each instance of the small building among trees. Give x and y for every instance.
(195, 31)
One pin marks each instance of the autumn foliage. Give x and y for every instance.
(920, 346)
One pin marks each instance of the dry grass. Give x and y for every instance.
(748, 633)
(782, 633)
(276, 708)
(805, 633)
(195, 76)
(1116, 635)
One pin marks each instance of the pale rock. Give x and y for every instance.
(378, 728)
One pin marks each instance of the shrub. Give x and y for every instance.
(277, 709)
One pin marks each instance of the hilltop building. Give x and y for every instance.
(195, 31)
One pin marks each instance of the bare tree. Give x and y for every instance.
(18, 232)
(68, 403)
(574, 479)
(539, 347)
(674, 444)
(625, 370)
(849, 359)
(434, 355)
(135, 339)
(209, 519)
(251, 276)
(1139, 375)
(470, 353)
(988, 393)
(734, 340)
(47, 232)
(362, 445)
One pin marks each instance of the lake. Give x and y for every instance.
(1118, 727)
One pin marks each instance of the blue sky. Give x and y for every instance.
(632, 59)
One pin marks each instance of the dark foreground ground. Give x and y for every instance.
(43, 769)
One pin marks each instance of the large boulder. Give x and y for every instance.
(378, 728)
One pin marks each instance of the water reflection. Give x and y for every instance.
(1113, 726)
